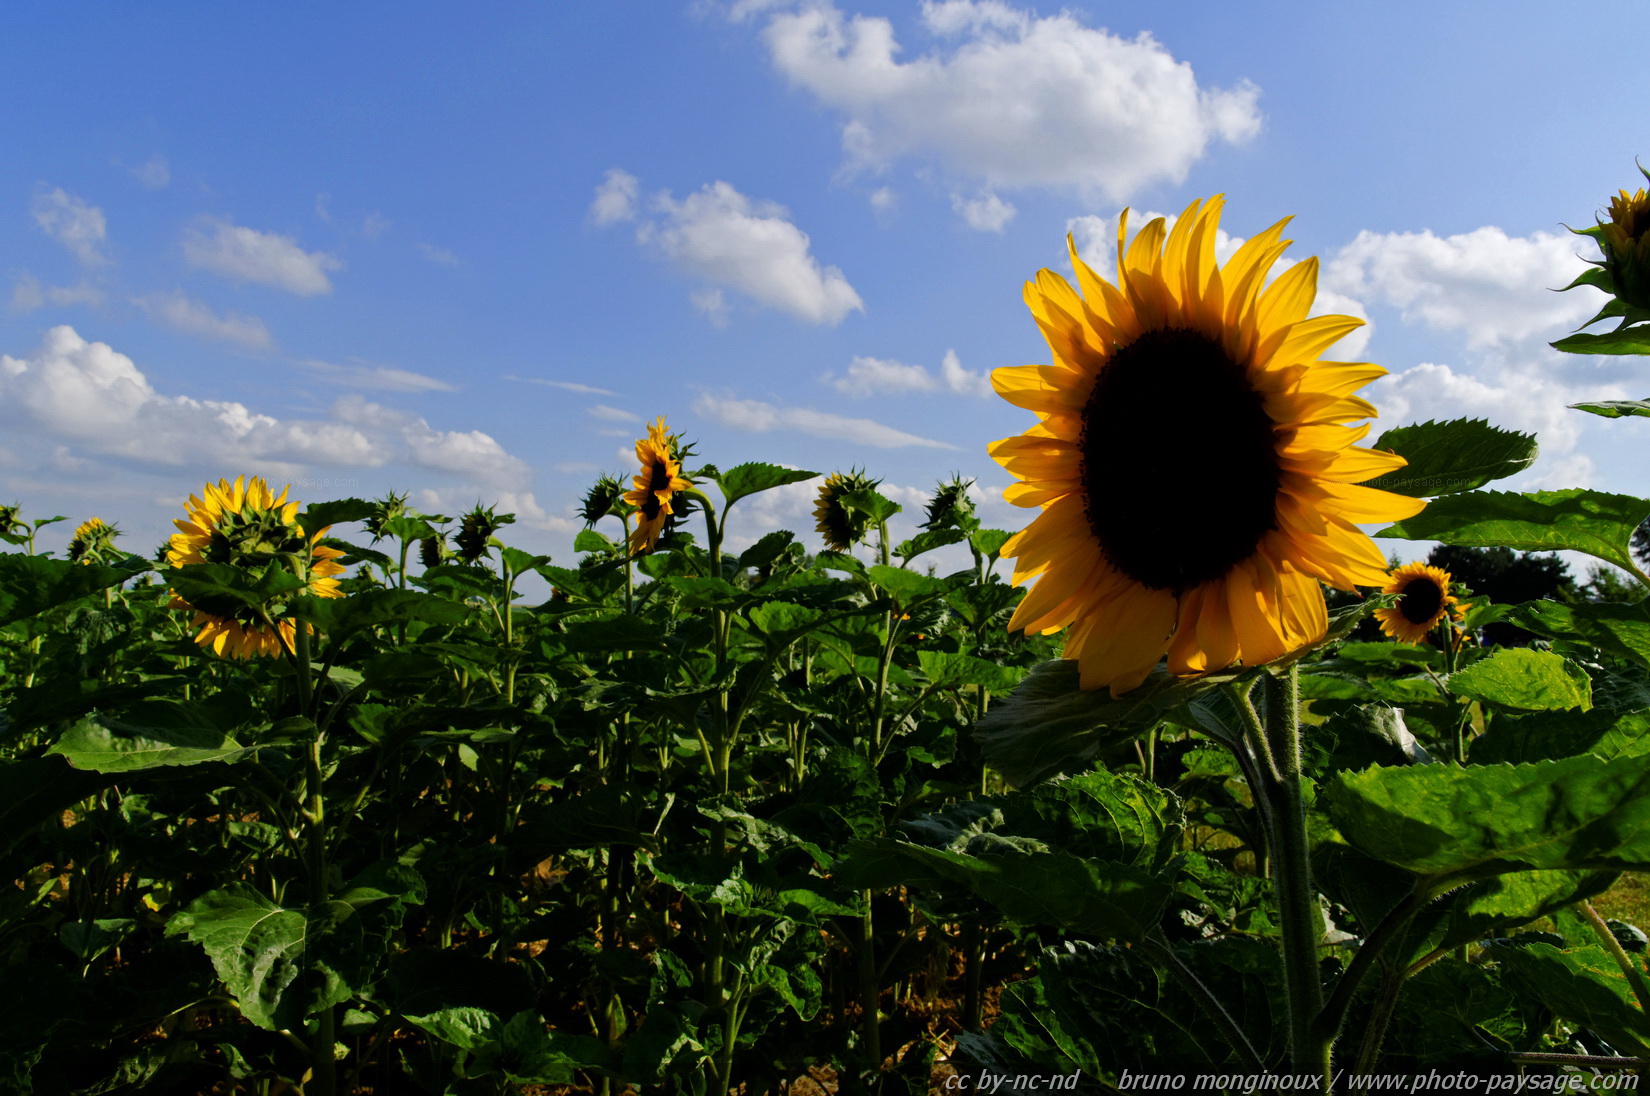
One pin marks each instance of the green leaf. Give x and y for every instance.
(946, 670)
(1630, 340)
(988, 542)
(908, 550)
(1551, 735)
(754, 476)
(33, 789)
(1582, 985)
(1444, 820)
(281, 964)
(1612, 627)
(1614, 409)
(1447, 457)
(1542, 521)
(521, 562)
(589, 540)
(104, 744)
(465, 1027)
(1514, 900)
(1521, 677)
(1100, 815)
(30, 585)
(318, 515)
(908, 587)
(876, 507)
(1048, 724)
(624, 633)
(342, 617)
(769, 548)
(223, 589)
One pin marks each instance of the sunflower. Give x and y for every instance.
(1625, 241)
(841, 526)
(1423, 600)
(246, 525)
(659, 479)
(1193, 462)
(92, 541)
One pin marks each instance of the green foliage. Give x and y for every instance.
(1449, 457)
(1542, 521)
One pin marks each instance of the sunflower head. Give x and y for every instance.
(475, 532)
(433, 550)
(1193, 459)
(10, 523)
(384, 511)
(655, 486)
(93, 542)
(1423, 600)
(600, 501)
(841, 525)
(951, 507)
(1625, 241)
(246, 525)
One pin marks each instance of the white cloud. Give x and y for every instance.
(985, 213)
(723, 237)
(613, 414)
(374, 225)
(323, 206)
(72, 223)
(1010, 98)
(757, 417)
(28, 294)
(867, 376)
(1494, 288)
(438, 255)
(376, 377)
(713, 303)
(153, 173)
(265, 257)
(469, 452)
(182, 312)
(884, 200)
(615, 198)
(570, 386)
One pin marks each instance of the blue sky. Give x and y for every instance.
(466, 253)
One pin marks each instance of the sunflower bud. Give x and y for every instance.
(384, 511)
(600, 500)
(951, 507)
(93, 542)
(432, 550)
(1625, 241)
(476, 531)
(841, 526)
(9, 522)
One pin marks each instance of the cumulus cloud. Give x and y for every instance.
(73, 223)
(248, 255)
(757, 417)
(95, 400)
(153, 173)
(1494, 288)
(615, 198)
(375, 377)
(182, 312)
(1009, 97)
(985, 213)
(719, 235)
(868, 376)
(27, 294)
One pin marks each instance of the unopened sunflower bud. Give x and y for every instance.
(476, 530)
(432, 550)
(93, 541)
(600, 500)
(1625, 241)
(841, 526)
(951, 507)
(384, 511)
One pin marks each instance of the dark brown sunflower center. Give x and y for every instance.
(661, 476)
(1420, 601)
(1180, 470)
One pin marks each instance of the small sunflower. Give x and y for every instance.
(247, 525)
(659, 479)
(92, 542)
(840, 525)
(1193, 462)
(1423, 600)
(1625, 241)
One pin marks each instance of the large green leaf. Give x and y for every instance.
(1444, 820)
(749, 478)
(1099, 815)
(30, 585)
(1513, 900)
(1542, 521)
(1520, 677)
(319, 515)
(1582, 985)
(1612, 627)
(1543, 736)
(1630, 340)
(104, 744)
(1048, 724)
(1448, 457)
(226, 590)
(1614, 409)
(343, 617)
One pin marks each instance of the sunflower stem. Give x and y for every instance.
(1298, 912)
(1635, 976)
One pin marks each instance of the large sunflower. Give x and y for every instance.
(1423, 600)
(247, 525)
(659, 479)
(1193, 461)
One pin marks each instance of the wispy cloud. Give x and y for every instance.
(438, 255)
(27, 294)
(757, 417)
(375, 377)
(182, 312)
(246, 254)
(569, 386)
(868, 376)
(75, 224)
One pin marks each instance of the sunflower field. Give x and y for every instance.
(1185, 778)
